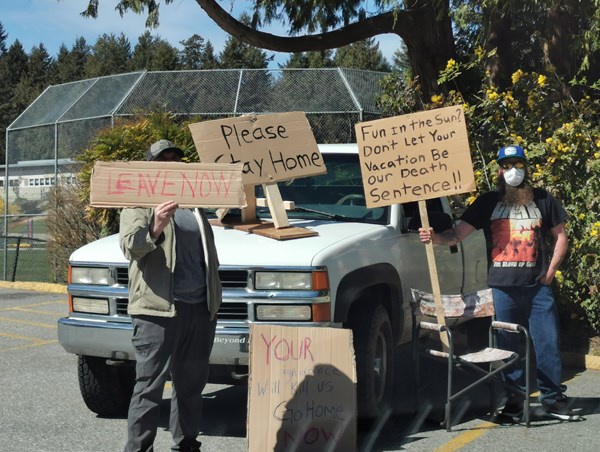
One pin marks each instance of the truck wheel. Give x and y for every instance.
(373, 345)
(106, 390)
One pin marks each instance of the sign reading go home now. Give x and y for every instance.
(271, 148)
(147, 184)
(415, 157)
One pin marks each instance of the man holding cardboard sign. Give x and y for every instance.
(515, 218)
(175, 293)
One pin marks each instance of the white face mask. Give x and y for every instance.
(514, 176)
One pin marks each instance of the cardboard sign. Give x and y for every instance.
(147, 184)
(302, 393)
(271, 148)
(415, 157)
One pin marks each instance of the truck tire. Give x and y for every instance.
(106, 390)
(374, 349)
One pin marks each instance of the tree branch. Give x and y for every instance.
(398, 22)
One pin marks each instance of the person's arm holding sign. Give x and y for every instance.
(449, 237)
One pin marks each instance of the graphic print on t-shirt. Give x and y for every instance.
(515, 242)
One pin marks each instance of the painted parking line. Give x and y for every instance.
(28, 322)
(31, 305)
(32, 341)
(466, 438)
(21, 347)
(34, 311)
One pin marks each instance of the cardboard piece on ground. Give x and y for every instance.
(302, 389)
(414, 157)
(147, 184)
(271, 147)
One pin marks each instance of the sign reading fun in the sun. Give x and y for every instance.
(415, 157)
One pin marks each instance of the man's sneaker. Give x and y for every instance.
(560, 410)
(513, 409)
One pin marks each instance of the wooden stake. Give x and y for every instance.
(433, 275)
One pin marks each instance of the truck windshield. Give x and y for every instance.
(337, 195)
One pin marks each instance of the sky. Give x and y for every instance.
(56, 22)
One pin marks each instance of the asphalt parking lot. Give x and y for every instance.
(42, 410)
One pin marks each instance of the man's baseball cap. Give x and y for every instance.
(160, 146)
(512, 152)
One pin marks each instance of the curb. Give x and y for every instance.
(580, 361)
(577, 360)
(35, 286)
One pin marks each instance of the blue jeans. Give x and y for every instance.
(535, 307)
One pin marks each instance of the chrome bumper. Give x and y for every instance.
(113, 340)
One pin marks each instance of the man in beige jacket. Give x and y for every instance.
(174, 295)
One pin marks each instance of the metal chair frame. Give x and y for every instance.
(473, 305)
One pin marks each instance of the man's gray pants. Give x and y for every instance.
(179, 346)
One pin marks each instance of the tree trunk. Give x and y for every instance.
(559, 53)
(498, 36)
(429, 42)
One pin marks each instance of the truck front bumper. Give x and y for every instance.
(112, 340)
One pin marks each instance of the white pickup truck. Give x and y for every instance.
(356, 273)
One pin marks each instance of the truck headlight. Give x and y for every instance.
(89, 275)
(316, 280)
(90, 305)
(283, 312)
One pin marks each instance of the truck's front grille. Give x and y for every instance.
(233, 311)
(227, 311)
(229, 278)
(234, 278)
(122, 275)
(122, 306)
(237, 279)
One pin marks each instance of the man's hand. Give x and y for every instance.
(426, 234)
(162, 215)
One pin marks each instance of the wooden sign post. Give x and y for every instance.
(416, 157)
(271, 148)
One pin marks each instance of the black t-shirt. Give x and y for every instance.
(515, 236)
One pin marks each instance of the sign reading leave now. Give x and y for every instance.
(147, 184)
(271, 147)
(415, 157)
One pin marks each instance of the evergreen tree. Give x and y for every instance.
(70, 65)
(111, 55)
(363, 54)
(305, 60)
(39, 69)
(190, 57)
(3, 36)
(208, 59)
(154, 54)
(237, 54)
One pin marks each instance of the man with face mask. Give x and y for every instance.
(516, 219)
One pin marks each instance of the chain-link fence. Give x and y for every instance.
(43, 141)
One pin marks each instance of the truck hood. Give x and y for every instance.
(238, 248)
(245, 249)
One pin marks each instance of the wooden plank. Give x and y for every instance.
(433, 275)
(275, 204)
(287, 205)
(271, 231)
(249, 212)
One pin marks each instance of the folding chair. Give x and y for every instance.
(477, 304)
